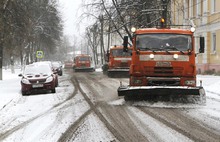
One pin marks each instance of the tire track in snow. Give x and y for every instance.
(93, 108)
(114, 117)
(185, 125)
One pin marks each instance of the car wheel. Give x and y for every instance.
(56, 83)
(24, 93)
(53, 90)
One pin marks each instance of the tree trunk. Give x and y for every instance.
(101, 39)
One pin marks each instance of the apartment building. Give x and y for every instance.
(205, 14)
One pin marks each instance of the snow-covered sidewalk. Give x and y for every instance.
(10, 86)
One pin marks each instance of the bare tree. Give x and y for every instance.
(92, 35)
(121, 15)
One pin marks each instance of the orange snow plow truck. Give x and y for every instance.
(163, 64)
(83, 62)
(118, 62)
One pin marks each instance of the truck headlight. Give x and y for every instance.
(193, 29)
(133, 29)
(175, 56)
(190, 82)
(151, 56)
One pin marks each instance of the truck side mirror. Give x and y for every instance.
(202, 45)
(125, 44)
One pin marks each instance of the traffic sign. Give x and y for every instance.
(40, 54)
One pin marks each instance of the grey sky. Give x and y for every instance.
(70, 12)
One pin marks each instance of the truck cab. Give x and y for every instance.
(83, 62)
(118, 62)
(163, 63)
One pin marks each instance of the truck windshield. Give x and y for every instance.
(84, 58)
(120, 53)
(164, 42)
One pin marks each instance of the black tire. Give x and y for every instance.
(56, 83)
(53, 90)
(24, 93)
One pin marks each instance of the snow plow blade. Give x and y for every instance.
(159, 90)
(84, 69)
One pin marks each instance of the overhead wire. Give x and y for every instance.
(187, 8)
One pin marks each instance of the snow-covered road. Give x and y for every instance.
(86, 108)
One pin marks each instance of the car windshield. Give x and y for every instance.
(161, 42)
(56, 64)
(37, 69)
(120, 53)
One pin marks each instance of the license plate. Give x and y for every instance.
(37, 85)
(163, 64)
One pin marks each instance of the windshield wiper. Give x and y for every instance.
(158, 49)
(173, 47)
(146, 48)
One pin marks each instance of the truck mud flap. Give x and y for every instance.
(159, 90)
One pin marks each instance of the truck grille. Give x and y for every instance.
(163, 81)
(163, 70)
(123, 65)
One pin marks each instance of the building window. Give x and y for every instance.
(213, 6)
(198, 9)
(191, 8)
(213, 42)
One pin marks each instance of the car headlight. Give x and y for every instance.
(49, 79)
(190, 82)
(25, 81)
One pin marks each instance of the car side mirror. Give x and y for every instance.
(20, 75)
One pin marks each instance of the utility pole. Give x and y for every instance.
(1, 54)
(1, 40)
(101, 37)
